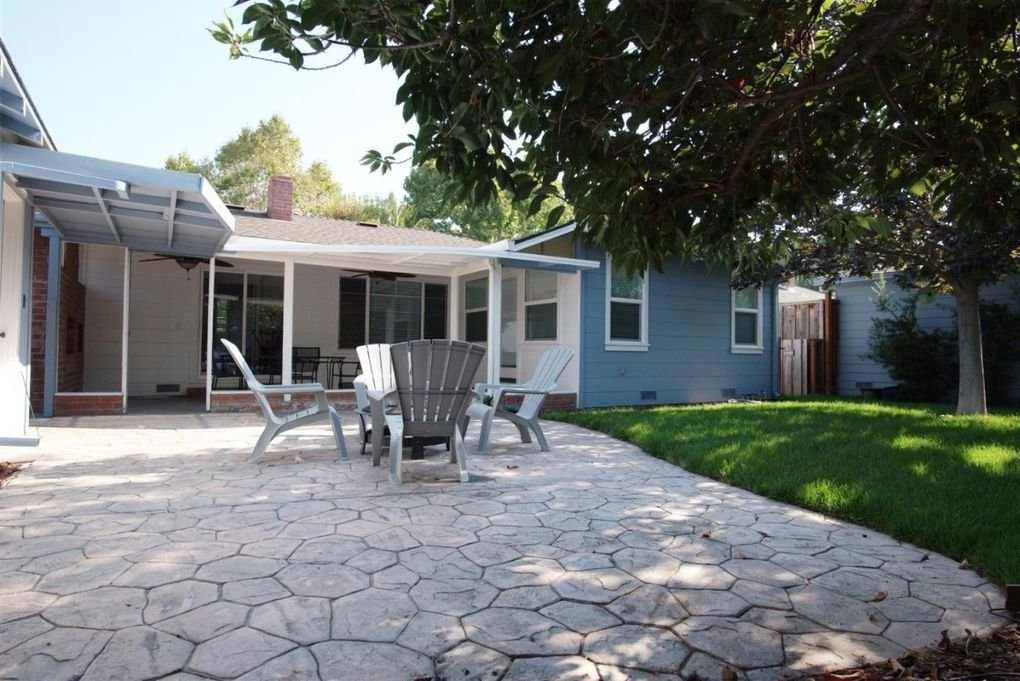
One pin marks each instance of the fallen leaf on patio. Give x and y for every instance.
(897, 667)
(965, 564)
(706, 535)
(925, 557)
(764, 534)
(512, 466)
(878, 598)
(944, 643)
(740, 556)
(728, 674)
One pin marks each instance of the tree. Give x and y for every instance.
(694, 128)
(432, 202)
(242, 166)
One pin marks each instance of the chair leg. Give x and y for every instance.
(267, 436)
(539, 435)
(363, 431)
(396, 452)
(338, 433)
(522, 428)
(483, 434)
(460, 451)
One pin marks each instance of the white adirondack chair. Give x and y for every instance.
(543, 382)
(433, 386)
(376, 376)
(278, 424)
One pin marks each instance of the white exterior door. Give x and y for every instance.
(14, 329)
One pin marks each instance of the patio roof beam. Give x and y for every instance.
(495, 319)
(170, 219)
(106, 214)
(12, 102)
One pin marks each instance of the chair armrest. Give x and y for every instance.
(291, 389)
(512, 390)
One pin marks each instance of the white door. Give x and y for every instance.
(13, 319)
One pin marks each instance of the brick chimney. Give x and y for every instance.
(280, 205)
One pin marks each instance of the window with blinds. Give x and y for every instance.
(377, 310)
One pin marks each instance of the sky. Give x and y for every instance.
(137, 81)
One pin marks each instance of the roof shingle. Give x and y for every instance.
(327, 231)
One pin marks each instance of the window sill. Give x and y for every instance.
(540, 341)
(627, 347)
(747, 349)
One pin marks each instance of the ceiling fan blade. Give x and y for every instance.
(165, 257)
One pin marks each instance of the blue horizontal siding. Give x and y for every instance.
(689, 357)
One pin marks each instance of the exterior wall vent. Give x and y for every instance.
(649, 395)
(729, 392)
(168, 387)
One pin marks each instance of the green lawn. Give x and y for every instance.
(917, 472)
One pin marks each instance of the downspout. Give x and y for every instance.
(51, 357)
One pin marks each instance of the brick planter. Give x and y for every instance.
(87, 404)
(244, 401)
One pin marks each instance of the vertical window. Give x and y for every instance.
(476, 303)
(746, 320)
(539, 305)
(248, 311)
(378, 310)
(626, 309)
(434, 309)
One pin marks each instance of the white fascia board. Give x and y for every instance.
(240, 245)
(542, 238)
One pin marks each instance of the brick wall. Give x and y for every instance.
(87, 404)
(70, 355)
(554, 402)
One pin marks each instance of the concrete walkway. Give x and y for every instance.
(148, 548)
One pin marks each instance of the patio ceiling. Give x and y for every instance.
(95, 201)
(428, 260)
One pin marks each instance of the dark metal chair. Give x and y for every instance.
(305, 363)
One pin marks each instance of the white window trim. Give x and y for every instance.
(745, 348)
(555, 300)
(617, 345)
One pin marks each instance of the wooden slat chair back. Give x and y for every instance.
(376, 366)
(276, 424)
(433, 387)
(525, 416)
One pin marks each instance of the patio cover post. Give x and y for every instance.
(210, 305)
(124, 332)
(52, 361)
(495, 329)
(455, 311)
(288, 325)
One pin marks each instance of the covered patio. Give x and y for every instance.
(138, 547)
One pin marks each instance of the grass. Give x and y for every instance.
(948, 483)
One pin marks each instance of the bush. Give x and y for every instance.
(925, 363)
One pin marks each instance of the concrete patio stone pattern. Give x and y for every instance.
(149, 548)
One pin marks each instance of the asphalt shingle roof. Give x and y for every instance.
(327, 231)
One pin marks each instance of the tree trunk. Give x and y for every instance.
(971, 398)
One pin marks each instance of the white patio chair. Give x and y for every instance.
(275, 425)
(433, 387)
(525, 416)
(376, 376)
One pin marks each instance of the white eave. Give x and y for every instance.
(95, 201)
(436, 260)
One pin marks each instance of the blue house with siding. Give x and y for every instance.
(682, 335)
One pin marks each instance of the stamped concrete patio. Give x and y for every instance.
(148, 548)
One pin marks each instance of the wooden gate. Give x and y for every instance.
(807, 337)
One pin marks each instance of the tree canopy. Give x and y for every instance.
(688, 127)
(432, 201)
(241, 168)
